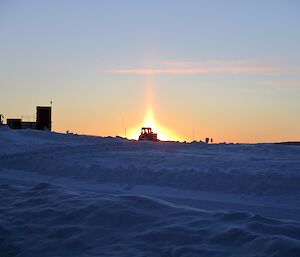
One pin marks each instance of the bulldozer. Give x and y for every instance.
(148, 135)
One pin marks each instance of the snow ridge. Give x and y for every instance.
(73, 195)
(84, 224)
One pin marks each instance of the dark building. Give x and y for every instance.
(28, 125)
(14, 123)
(43, 118)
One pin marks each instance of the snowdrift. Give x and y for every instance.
(45, 220)
(72, 195)
(263, 169)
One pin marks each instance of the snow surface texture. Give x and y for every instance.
(70, 195)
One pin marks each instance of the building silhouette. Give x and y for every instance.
(43, 120)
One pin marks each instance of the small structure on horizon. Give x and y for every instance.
(14, 123)
(43, 120)
(207, 140)
(148, 135)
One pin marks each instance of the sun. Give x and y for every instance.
(149, 121)
(163, 133)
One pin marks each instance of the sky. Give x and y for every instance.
(227, 70)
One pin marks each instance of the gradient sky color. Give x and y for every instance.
(227, 69)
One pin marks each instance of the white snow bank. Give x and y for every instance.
(46, 220)
(259, 169)
(72, 195)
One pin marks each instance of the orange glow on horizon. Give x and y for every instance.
(163, 133)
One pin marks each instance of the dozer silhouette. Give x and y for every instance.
(148, 135)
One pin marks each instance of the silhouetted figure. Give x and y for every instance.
(207, 140)
(211, 140)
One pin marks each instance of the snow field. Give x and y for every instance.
(71, 195)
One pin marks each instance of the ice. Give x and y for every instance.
(75, 195)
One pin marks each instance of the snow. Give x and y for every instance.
(75, 195)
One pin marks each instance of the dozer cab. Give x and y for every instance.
(148, 135)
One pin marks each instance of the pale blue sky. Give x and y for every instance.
(70, 51)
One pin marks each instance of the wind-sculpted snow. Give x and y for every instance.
(70, 195)
(45, 220)
(263, 169)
